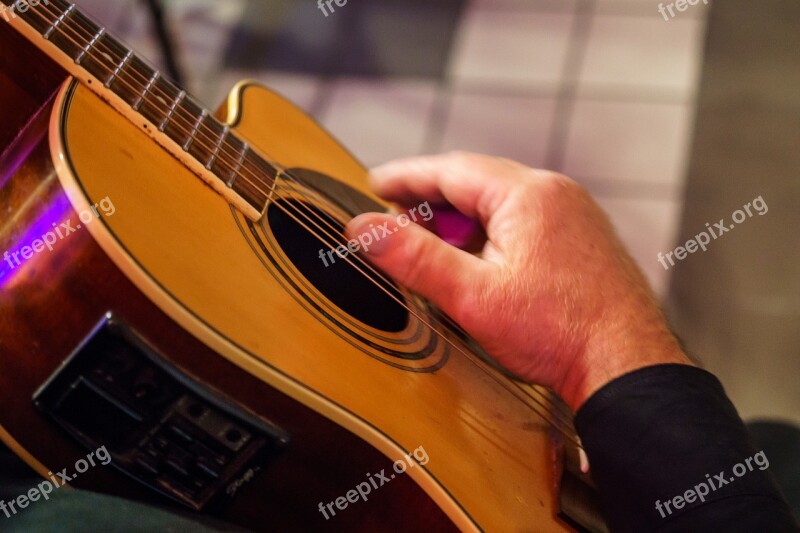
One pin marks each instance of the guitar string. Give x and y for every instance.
(561, 412)
(481, 364)
(289, 175)
(286, 174)
(563, 426)
(362, 271)
(562, 416)
(155, 89)
(555, 405)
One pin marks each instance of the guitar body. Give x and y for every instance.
(256, 320)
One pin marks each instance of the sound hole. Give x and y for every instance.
(361, 295)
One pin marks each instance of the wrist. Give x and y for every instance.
(616, 350)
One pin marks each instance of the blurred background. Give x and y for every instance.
(670, 122)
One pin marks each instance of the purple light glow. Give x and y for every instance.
(56, 212)
(16, 162)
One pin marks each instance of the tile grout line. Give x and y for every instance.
(322, 99)
(440, 112)
(434, 131)
(648, 95)
(565, 101)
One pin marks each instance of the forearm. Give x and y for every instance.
(665, 447)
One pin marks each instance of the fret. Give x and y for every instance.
(143, 95)
(251, 192)
(262, 168)
(132, 78)
(58, 21)
(256, 182)
(103, 59)
(40, 17)
(190, 140)
(72, 32)
(238, 165)
(225, 131)
(158, 99)
(119, 68)
(205, 142)
(89, 46)
(229, 160)
(175, 103)
(183, 118)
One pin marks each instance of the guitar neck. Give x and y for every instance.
(158, 107)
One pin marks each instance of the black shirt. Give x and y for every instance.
(669, 452)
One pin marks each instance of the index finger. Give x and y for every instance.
(474, 184)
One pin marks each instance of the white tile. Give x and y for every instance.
(380, 120)
(515, 127)
(637, 54)
(511, 48)
(631, 189)
(629, 141)
(646, 227)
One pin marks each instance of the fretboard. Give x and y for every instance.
(155, 104)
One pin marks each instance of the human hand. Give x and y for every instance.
(554, 297)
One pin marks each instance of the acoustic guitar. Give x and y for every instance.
(162, 298)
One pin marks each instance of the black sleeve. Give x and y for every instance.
(669, 452)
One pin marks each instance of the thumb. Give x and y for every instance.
(417, 259)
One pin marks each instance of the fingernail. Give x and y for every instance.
(366, 230)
